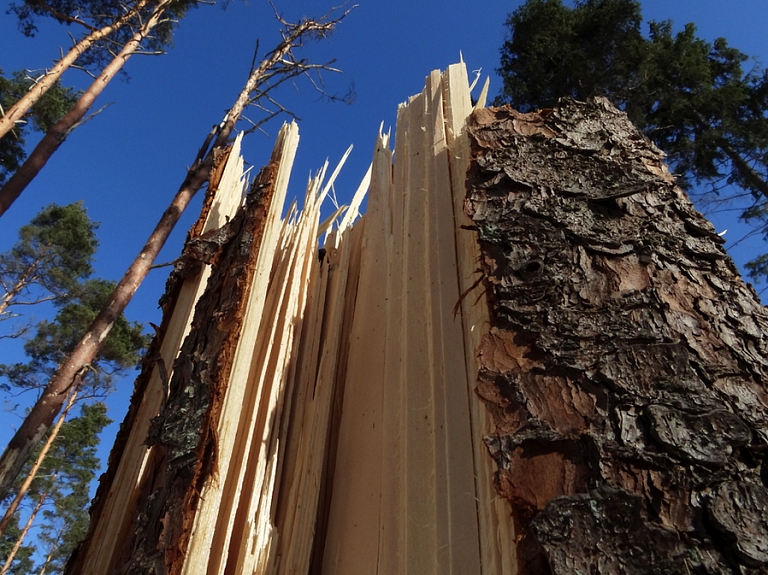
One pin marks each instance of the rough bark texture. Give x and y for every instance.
(188, 264)
(183, 437)
(626, 365)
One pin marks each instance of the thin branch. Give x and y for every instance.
(89, 117)
(165, 265)
(153, 53)
(60, 16)
(23, 534)
(83, 69)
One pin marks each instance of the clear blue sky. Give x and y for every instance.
(127, 163)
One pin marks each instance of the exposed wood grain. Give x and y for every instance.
(114, 507)
(495, 529)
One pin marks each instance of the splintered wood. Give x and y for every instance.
(317, 413)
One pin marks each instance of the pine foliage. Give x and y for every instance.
(695, 99)
(44, 114)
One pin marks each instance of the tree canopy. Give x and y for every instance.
(52, 256)
(52, 261)
(44, 114)
(693, 98)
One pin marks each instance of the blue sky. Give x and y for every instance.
(127, 163)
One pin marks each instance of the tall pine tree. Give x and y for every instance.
(66, 477)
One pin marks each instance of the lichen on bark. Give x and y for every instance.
(183, 437)
(625, 369)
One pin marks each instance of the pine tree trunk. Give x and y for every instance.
(36, 467)
(16, 184)
(626, 366)
(24, 532)
(20, 108)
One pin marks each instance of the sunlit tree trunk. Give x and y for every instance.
(61, 129)
(627, 363)
(20, 108)
(23, 534)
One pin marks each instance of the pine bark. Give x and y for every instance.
(183, 438)
(626, 367)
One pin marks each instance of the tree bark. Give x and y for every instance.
(183, 436)
(626, 366)
(16, 184)
(17, 111)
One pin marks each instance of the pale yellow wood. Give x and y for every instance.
(252, 525)
(459, 546)
(255, 521)
(303, 362)
(417, 352)
(209, 544)
(392, 533)
(312, 464)
(299, 429)
(357, 199)
(352, 542)
(119, 506)
(432, 129)
(483, 95)
(293, 311)
(495, 528)
(344, 265)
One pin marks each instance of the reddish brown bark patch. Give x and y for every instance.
(626, 365)
(183, 438)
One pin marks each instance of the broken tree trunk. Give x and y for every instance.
(114, 507)
(540, 361)
(626, 366)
